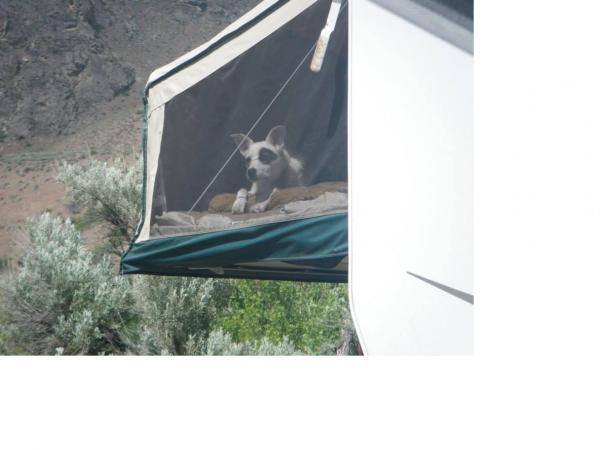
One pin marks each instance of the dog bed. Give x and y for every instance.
(286, 204)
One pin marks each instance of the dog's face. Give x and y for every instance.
(264, 159)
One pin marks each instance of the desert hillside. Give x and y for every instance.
(71, 79)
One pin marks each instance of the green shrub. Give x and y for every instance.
(312, 316)
(108, 195)
(62, 298)
(221, 343)
(178, 312)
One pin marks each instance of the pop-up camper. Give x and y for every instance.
(262, 143)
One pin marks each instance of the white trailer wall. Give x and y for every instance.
(411, 186)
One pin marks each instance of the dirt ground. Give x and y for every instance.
(26, 191)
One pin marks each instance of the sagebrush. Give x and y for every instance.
(67, 298)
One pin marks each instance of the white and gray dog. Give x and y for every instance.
(268, 166)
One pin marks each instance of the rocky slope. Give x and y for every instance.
(71, 79)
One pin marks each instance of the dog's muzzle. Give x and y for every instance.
(251, 174)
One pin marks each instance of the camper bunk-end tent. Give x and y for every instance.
(245, 151)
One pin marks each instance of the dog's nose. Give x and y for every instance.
(252, 174)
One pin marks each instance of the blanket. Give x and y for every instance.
(290, 203)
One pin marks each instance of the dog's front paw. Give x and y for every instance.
(239, 205)
(263, 206)
(258, 207)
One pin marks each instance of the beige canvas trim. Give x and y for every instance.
(156, 74)
(186, 78)
(155, 131)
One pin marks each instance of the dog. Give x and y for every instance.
(269, 167)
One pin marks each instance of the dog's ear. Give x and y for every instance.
(242, 141)
(276, 136)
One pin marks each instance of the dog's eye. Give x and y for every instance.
(248, 160)
(266, 156)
